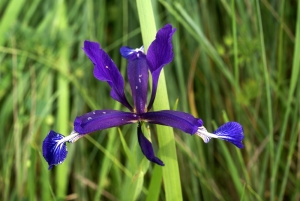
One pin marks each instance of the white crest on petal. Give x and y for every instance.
(73, 137)
(141, 49)
(206, 136)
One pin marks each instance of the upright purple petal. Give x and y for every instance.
(160, 50)
(175, 119)
(54, 149)
(106, 70)
(232, 132)
(147, 148)
(159, 54)
(102, 119)
(137, 72)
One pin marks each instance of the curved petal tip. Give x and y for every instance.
(54, 149)
(147, 148)
(232, 132)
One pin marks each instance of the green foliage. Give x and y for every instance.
(165, 135)
(233, 61)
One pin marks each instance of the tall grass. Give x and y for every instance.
(233, 61)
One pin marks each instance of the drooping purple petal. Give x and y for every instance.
(106, 70)
(137, 72)
(175, 119)
(159, 54)
(102, 119)
(147, 148)
(232, 132)
(54, 149)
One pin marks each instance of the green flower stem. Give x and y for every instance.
(166, 139)
(62, 101)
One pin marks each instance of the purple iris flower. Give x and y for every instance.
(139, 65)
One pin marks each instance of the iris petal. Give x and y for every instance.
(232, 132)
(106, 70)
(158, 55)
(54, 149)
(175, 119)
(102, 119)
(147, 148)
(137, 72)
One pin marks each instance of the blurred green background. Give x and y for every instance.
(233, 60)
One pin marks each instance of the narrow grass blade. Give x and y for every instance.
(155, 184)
(10, 16)
(293, 83)
(63, 100)
(165, 134)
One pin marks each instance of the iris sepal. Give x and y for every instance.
(55, 148)
(231, 131)
(103, 119)
(176, 119)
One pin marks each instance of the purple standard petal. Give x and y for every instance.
(159, 54)
(54, 149)
(102, 119)
(147, 148)
(160, 50)
(137, 72)
(175, 119)
(106, 70)
(232, 132)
